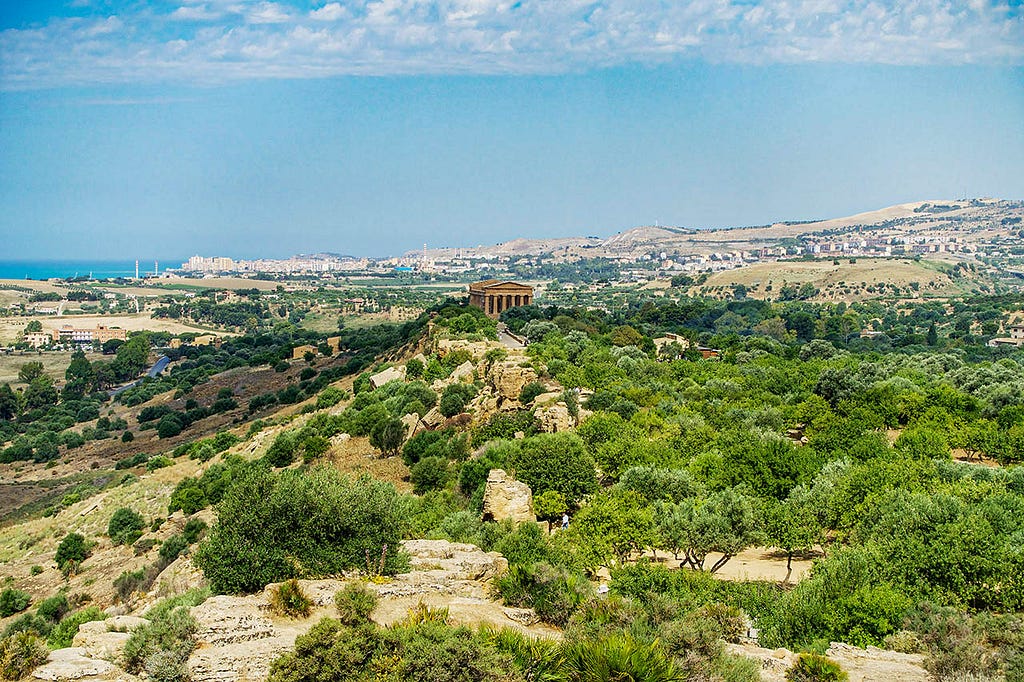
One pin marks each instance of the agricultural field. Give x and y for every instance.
(11, 327)
(54, 364)
(846, 280)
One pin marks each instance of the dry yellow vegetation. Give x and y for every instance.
(847, 280)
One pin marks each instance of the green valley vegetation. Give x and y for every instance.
(891, 459)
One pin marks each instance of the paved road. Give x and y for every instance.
(507, 339)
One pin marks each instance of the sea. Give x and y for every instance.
(63, 269)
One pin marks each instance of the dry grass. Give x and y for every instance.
(834, 278)
(54, 364)
(217, 283)
(820, 272)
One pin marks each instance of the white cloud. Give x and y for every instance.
(225, 40)
(195, 13)
(332, 11)
(267, 13)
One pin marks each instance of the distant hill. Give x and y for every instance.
(967, 223)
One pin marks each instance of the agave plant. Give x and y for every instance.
(538, 660)
(619, 659)
(422, 613)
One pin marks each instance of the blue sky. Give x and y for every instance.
(265, 129)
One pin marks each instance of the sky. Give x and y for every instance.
(263, 129)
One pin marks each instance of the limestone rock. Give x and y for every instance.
(507, 498)
(180, 577)
(554, 418)
(873, 663)
(521, 616)
(508, 378)
(235, 641)
(457, 561)
(390, 374)
(862, 665)
(433, 418)
(227, 620)
(105, 639)
(485, 405)
(73, 663)
(465, 372)
(411, 421)
(547, 398)
(477, 349)
(237, 661)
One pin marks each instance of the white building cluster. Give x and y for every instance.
(315, 264)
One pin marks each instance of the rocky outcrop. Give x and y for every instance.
(235, 641)
(476, 349)
(508, 378)
(433, 418)
(862, 665)
(390, 374)
(239, 637)
(466, 372)
(453, 561)
(105, 639)
(554, 418)
(507, 498)
(411, 422)
(74, 663)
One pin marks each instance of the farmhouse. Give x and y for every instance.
(101, 334)
(1016, 337)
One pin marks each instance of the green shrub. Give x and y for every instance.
(53, 608)
(172, 547)
(13, 601)
(505, 425)
(71, 551)
(531, 391)
(282, 451)
(329, 397)
(194, 529)
(161, 648)
(65, 631)
(170, 425)
(555, 461)
(454, 398)
(430, 473)
(126, 584)
(20, 654)
(29, 622)
(158, 462)
(618, 658)
(417, 650)
(553, 592)
(354, 603)
(274, 526)
(125, 526)
(815, 668)
(288, 599)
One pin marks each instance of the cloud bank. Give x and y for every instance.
(217, 41)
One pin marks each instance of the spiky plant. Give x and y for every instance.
(537, 660)
(619, 659)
